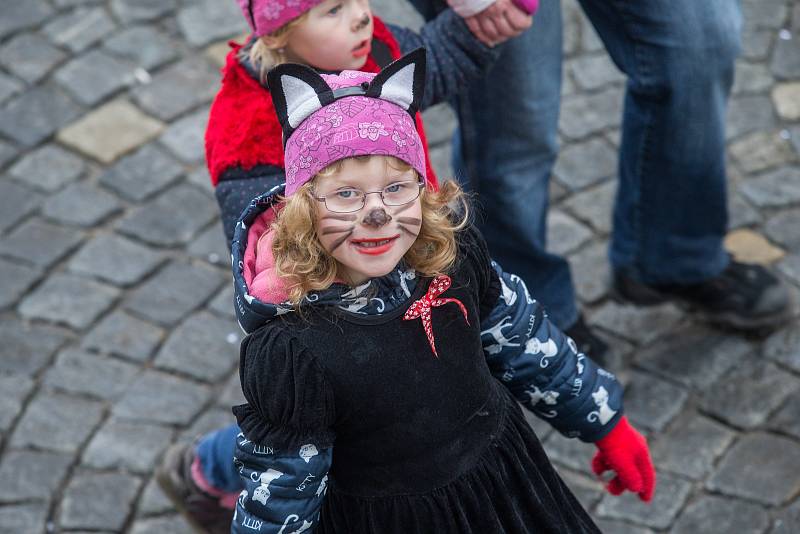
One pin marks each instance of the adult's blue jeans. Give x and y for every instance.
(670, 213)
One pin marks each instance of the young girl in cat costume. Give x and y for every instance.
(380, 329)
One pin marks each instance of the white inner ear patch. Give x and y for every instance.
(399, 87)
(301, 99)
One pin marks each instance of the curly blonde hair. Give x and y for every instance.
(268, 50)
(305, 266)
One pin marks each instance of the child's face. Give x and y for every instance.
(336, 35)
(370, 242)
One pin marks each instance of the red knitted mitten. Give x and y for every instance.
(625, 451)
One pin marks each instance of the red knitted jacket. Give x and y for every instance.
(243, 129)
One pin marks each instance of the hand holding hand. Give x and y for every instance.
(500, 21)
(625, 451)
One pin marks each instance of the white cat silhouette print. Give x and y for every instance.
(261, 493)
(604, 414)
(307, 452)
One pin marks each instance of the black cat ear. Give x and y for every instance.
(297, 92)
(402, 81)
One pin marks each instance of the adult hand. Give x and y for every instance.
(625, 451)
(499, 22)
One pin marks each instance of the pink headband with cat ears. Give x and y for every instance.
(266, 16)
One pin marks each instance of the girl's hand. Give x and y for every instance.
(499, 22)
(625, 451)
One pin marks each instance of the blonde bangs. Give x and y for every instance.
(267, 51)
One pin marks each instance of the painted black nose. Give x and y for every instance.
(377, 217)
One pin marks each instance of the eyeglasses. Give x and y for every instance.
(348, 200)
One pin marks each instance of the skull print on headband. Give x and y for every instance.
(326, 117)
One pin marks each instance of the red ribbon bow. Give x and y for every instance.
(422, 307)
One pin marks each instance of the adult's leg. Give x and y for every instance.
(670, 215)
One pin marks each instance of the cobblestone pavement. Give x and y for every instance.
(116, 329)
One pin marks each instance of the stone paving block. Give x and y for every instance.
(789, 266)
(200, 178)
(751, 78)
(28, 518)
(695, 356)
(668, 500)
(7, 153)
(29, 57)
(442, 122)
(782, 228)
(80, 372)
(39, 243)
(8, 87)
(145, 46)
(22, 15)
(691, 446)
(231, 395)
(572, 170)
(572, 453)
(751, 247)
(787, 521)
(98, 501)
(594, 205)
(17, 279)
(81, 204)
(741, 213)
(210, 246)
(794, 137)
(637, 324)
(203, 347)
(175, 291)
(16, 202)
(143, 173)
(80, 28)
(186, 137)
(787, 419)
(775, 189)
(222, 304)
(124, 335)
(783, 347)
(620, 527)
(68, 299)
(217, 52)
(764, 13)
(154, 502)
(756, 43)
(211, 420)
(564, 233)
(761, 151)
(208, 20)
(115, 259)
(26, 348)
(651, 403)
(785, 63)
(172, 218)
(161, 398)
(36, 114)
(718, 514)
(786, 97)
(595, 71)
(48, 168)
(748, 114)
(133, 446)
(173, 524)
(128, 11)
(587, 490)
(32, 475)
(571, 28)
(591, 272)
(759, 467)
(95, 75)
(179, 88)
(590, 114)
(56, 422)
(13, 391)
(110, 131)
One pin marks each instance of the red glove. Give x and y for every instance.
(625, 451)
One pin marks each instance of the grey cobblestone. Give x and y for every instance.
(212, 420)
(789, 266)
(23, 518)
(651, 403)
(636, 324)
(786, 59)
(23, 15)
(39, 243)
(572, 169)
(48, 168)
(206, 21)
(572, 453)
(691, 446)
(129, 11)
(787, 521)
(620, 527)
(81, 204)
(17, 279)
(591, 272)
(13, 391)
(210, 246)
(565, 234)
(660, 513)
(232, 394)
(7, 153)
(36, 114)
(8, 87)
(178, 88)
(748, 114)
(172, 218)
(68, 299)
(185, 137)
(595, 71)
(143, 45)
(154, 502)
(32, 475)
(115, 259)
(784, 347)
(82, 373)
(29, 57)
(781, 229)
(594, 205)
(98, 501)
(173, 524)
(717, 514)
(133, 446)
(174, 292)
(80, 28)
(162, 398)
(26, 348)
(787, 419)
(16, 202)
(124, 335)
(751, 78)
(94, 76)
(203, 347)
(143, 173)
(56, 422)
(753, 468)
(741, 213)
(761, 151)
(775, 189)
(590, 114)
